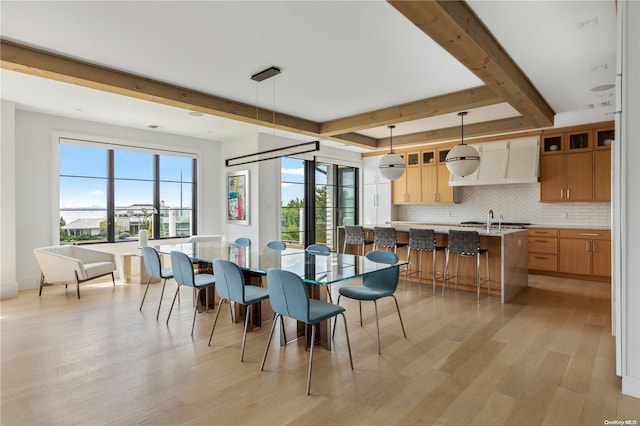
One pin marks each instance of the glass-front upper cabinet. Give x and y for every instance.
(576, 141)
(579, 141)
(413, 159)
(428, 157)
(604, 137)
(552, 144)
(442, 155)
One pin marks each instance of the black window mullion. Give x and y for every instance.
(194, 198)
(310, 201)
(110, 197)
(156, 197)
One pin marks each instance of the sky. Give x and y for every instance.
(133, 172)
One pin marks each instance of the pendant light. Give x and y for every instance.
(462, 160)
(391, 165)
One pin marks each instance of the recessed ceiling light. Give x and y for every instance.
(603, 87)
(195, 113)
(588, 23)
(600, 68)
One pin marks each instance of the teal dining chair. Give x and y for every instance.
(376, 285)
(277, 245)
(243, 242)
(184, 275)
(154, 270)
(231, 287)
(289, 297)
(320, 250)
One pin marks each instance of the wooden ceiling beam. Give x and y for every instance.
(456, 28)
(494, 127)
(430, 107)
(355, 139)
(39, 63)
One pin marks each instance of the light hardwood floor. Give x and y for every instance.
(546, 358)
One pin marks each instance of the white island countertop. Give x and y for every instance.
(444, 228)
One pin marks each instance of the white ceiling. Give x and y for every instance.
(338, 58)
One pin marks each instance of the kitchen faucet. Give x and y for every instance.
(500, 223)
(489, 217)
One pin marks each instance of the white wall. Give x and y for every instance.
(8, 282)
(36, 198)
(629, 175)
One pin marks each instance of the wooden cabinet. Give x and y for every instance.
(602, 175)
(407, 188)
(435, 178)
(425, 180)
(543, 249)
(584, 252)
(575, 164)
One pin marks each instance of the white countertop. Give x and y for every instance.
(444, 228)
(403, 223)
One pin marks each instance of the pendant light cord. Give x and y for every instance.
(391, 127)
(461, 115)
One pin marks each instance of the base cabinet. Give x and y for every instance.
(572, 253)
(543, 249)
(585, 252)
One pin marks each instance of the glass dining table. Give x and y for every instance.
(317, 270)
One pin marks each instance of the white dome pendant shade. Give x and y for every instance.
(462, 160)
(391, 166)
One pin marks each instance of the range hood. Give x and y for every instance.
(504, 162)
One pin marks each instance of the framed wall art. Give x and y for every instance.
(238, 197)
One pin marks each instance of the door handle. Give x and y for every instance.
(586, 245)
(562, 194)
(568, 194)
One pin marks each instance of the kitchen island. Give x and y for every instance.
(508, 268)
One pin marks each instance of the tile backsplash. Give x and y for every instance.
(516, 203)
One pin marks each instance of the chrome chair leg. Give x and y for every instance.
(360, 306)
(145, 293)
(488, 275)
(161, 295)
(399, 316)
(273, 326)
(478, 275)
(313, 338)
(172, 303)
(406, 270)
(457, 269)
(346, 332)
(375, 305)
(247, 318)
(195, 312)
(434, 272)
(446, 271)
(215, 320)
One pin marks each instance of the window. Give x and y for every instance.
(109, 195)
(316, 198)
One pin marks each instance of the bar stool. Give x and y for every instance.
(386, 237)
(466, 243)
(354, 235)
(423, 240)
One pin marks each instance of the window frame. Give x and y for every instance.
(111, 145)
